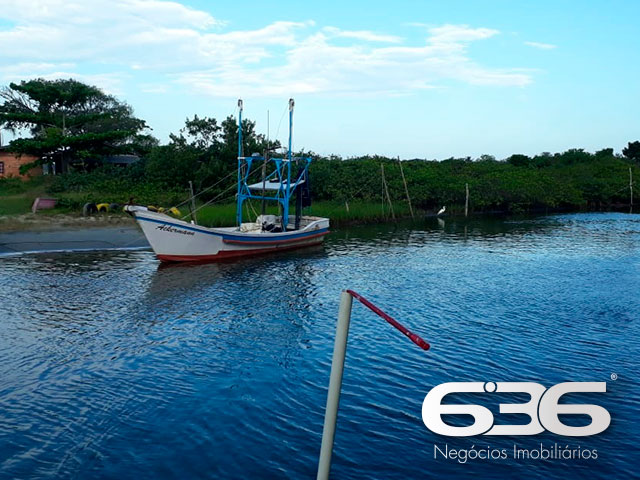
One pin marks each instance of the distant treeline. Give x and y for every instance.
(574, 179)
(76, 127)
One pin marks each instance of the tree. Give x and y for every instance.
(519, 160)
(574, 156)
(542, 160)
(605, 153)
(252, 142)
(632, 151)
(204, 151)
(173, 164)
(201, 133)
(69, 122)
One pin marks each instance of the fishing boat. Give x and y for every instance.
(283, 179)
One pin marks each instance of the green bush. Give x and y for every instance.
(571, 180)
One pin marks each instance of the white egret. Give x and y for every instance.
(441, 211)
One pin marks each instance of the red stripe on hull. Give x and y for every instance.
(275, 242)
(226, 254)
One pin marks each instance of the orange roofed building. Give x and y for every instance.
(10, 163)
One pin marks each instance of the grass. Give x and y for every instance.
(22, 203)
(225, 214)
(15, 205)
(16, 198)
(222, 215)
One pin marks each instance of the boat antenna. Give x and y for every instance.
(240, 127)
(291, 105)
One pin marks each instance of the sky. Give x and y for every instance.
(414, 79)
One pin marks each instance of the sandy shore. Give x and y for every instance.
(28, 233)
(60, 221)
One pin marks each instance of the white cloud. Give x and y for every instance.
(154, 88)
(20, 70)
(95, 12)
(541, 46)
(111, 83)
(365, 35)
(191, 48)
(449, 34)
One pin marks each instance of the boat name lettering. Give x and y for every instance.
(169, 228)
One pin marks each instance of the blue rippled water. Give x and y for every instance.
(114, 367)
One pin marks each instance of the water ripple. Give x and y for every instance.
(112, 366)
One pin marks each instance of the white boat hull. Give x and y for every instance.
(175, 240)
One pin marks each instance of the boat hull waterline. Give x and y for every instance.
(175, 240)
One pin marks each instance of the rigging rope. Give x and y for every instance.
(209, 201)
(280, 122)
(221, 193)
(206, 189)
(233, 173)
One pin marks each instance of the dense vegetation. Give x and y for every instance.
(204, 152)
(571, 180)
(574, 179)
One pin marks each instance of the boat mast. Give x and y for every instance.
(239, 197)
(285, 213)
(264, 170)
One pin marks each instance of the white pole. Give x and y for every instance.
(386, 190)
(406, 189)
(630, 188)
(335, 385)
(466, 200)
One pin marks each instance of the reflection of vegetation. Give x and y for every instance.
(205, 151)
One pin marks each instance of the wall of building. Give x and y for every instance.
(10, 165)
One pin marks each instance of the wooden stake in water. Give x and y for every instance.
(335, 385)
(193, 203)
(466, 200)
(630, 188)
(406, 190)
(386, 191)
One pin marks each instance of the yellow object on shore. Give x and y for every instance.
(173, 210)
(103, 207)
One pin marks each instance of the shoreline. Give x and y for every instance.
(60, 221)
(29, 233)
(61, 237)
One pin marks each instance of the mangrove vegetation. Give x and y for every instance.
(82, 126)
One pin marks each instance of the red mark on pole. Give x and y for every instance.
(412, 336)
